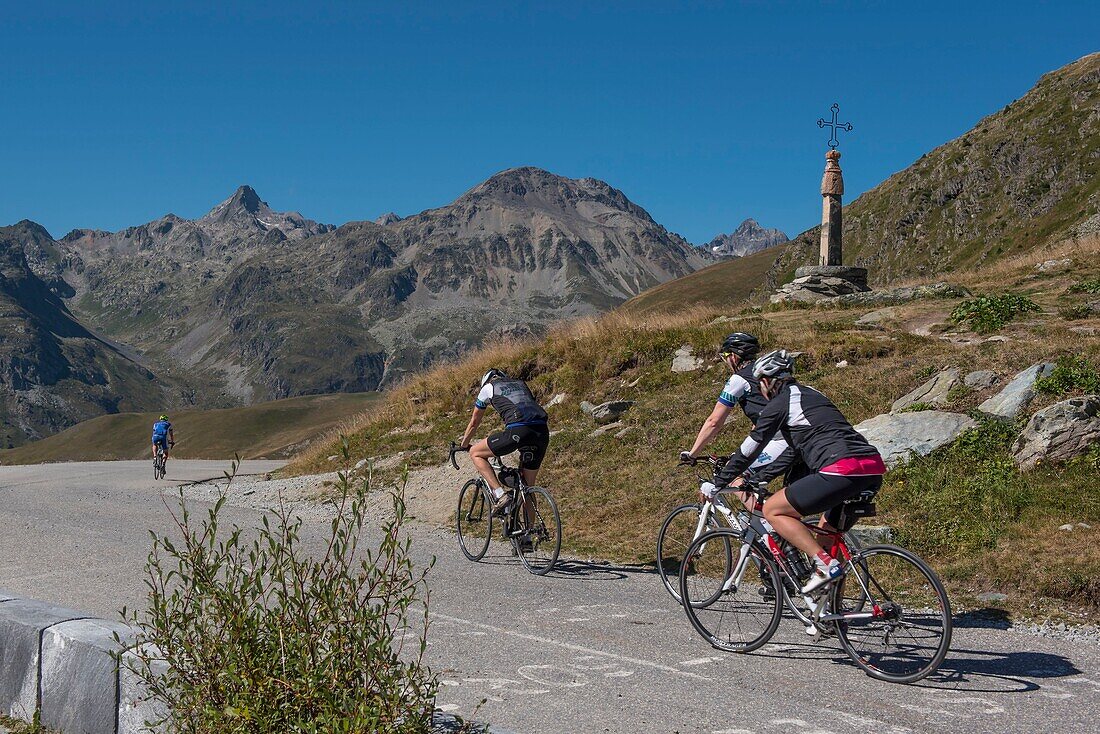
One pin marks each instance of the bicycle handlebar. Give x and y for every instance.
(454, 449)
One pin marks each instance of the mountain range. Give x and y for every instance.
(247, 304)
(749, 237)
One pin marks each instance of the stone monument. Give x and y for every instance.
(830, 277)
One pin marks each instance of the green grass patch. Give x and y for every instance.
(1070, 374)
(1091, 285)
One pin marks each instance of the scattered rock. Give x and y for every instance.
(893, 296)
(1086, 330)
(684, 359)
(842, 363)
(1016, 395)
(872, 534)
(1059, 432)
(606, 429)
(992, 597)
(623, 432)
(607, 412)
(997, 338)
(556, 400)
(899, 435)
(980, 379)
(933, 392)
(875, 319)
(1050, 265)
(1084, 526)
(360, 464)
(334, 457)
(1067, 527)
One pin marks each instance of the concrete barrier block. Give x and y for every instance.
(79, 675)
(134, 705)
(22, 622)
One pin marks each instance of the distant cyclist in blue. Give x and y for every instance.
(163, 436)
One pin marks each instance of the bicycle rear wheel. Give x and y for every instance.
(473, 520)
(537, 539)
(907, 632)
(677, 532)
(722, 594)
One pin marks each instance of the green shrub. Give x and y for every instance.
(262, 635)
(1070, 374)
(1072, 313)
(989, 313)
(918, 407)
(1091, 285)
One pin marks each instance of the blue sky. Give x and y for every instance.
(704, 113)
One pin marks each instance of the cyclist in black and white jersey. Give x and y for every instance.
(525, 430)
(842, 463)
(738, 351)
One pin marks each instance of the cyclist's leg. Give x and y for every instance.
(533, 451)
(806, 496)
(480, 453)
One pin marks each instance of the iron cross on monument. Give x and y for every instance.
(832, 189)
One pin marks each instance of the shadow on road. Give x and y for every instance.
(999, 672)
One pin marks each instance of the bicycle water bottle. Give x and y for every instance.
(796, 561)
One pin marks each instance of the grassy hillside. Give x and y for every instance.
(966, 508)
(1024, 176)
(723, 284)
(267, 430)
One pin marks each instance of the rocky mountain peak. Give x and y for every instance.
(244, 203)
(749, 237)
(387, 219)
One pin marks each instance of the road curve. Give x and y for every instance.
(594, 648)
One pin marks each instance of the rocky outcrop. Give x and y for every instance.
(904, 294)
(1016, 395)
(684, 359)
(608, 412)
(899, 436)
(1059, 432)
(748, 238)
(980, 379)
(822, 283)
(934, 392)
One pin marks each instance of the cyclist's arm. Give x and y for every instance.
(712, 426)
(171, 436)
(771, 419)
(471, 428)
(777, 467)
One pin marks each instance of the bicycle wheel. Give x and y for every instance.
(677, 532)
(737, 616)
(537, 538)
(473, 520)
(907, 632)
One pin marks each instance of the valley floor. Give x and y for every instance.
(594, 647)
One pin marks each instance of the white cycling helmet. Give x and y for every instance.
(774, 364)
(492, 375)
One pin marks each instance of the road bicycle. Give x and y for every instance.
(889, 610)
(160, 461)
(689, 521)
(531, 523)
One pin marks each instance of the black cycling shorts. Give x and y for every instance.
(530, 441)
(820, 492)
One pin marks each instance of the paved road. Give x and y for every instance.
(597, 648)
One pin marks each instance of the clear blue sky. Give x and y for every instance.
(704, 113)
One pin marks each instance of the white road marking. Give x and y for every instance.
(574, 648)
(699, 661)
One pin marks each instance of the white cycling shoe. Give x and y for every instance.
(824, 575)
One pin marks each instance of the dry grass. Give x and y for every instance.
(615, 492)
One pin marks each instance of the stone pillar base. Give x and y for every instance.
(814, 283)
(844, 272)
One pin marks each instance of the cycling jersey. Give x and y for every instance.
(814, 428)
(160, 430)
(513, 400)
(742, 389)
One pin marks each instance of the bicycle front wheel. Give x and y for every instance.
(537, 538)
(729, 592)
(677, 532)
(897, 623)
(473, 520)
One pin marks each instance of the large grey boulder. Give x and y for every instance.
(22, 622)
(1017, 394)
(79, 675)
(608, 412)
(933, 392)
(135, 703)
(898, 436)
(684, 359)
(904, 294)
(980, 379)
(1059, 432)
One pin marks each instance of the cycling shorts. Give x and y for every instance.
(531, 441)
(820, 492)
(161, 441)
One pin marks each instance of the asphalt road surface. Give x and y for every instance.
(593, 648)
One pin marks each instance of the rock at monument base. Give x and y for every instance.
(1060, 432)
(904, 294)
(933, 392)
(980, 379)
(684, 359)
(1016, 395)
(850, 273)
(814, 288)
(898, 436)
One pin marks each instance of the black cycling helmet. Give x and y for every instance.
(492, 375)
(743, 345)
(773, 365)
